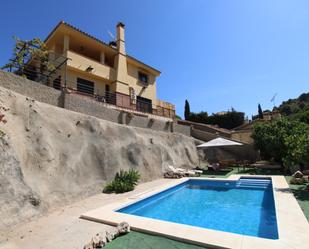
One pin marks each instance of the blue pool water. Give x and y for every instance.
(244, 207)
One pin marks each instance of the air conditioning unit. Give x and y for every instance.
(132, 95)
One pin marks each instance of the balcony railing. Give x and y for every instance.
(125, 102)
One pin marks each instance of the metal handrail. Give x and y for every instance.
(125, 102)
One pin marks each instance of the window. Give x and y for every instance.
(57, 83)
(85, 86)
(143, 104)
(142, 77)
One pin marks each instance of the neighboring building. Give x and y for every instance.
(267, 115)
(221, 113)
(271, 115)
(105, 71)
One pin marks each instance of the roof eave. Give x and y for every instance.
(156, 72)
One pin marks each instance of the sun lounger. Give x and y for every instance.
(186, 172)
(172, 172)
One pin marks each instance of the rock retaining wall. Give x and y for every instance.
(51, 156)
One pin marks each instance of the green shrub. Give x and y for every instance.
(124, 181)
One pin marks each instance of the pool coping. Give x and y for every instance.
(293, 227)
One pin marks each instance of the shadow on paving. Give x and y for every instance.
(301, 194)
(219, 173)
(136, 240)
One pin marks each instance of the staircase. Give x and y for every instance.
(261, 183)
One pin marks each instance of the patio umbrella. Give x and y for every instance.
(218, 142)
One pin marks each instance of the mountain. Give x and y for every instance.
(297, 108)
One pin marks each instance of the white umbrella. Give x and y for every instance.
(218, 142)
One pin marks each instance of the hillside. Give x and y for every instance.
(297, 108)
(51, 156)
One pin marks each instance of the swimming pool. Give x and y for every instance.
(244, 207)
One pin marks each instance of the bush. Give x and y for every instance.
(302, 116)
(283, 141)
(124, 181)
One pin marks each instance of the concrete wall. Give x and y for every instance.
(31, 89)
(243, 136)
(183, 129)
(85, 105)
(203, 135)
(206, 128)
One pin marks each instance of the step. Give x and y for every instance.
(254, 180)
(253, 187)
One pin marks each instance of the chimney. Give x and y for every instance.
(120, 38)
(121, 62)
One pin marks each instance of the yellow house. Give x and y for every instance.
(105, 71)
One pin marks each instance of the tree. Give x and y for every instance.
(297, 145)
(187, 110)
(260, 112)
(283, 141)
(26, 51)
(229, 120)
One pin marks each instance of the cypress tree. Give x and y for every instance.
(260, 112)
(187, 110)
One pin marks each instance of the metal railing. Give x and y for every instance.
(124, 101)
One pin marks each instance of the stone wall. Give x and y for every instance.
(31, 89)
(144, 122)
(85, 105)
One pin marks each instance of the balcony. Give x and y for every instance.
(81, 63)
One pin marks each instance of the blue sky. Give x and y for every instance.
(217, 54)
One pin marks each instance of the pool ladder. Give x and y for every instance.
(253, 183)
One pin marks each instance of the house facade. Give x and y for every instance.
(104, 71)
